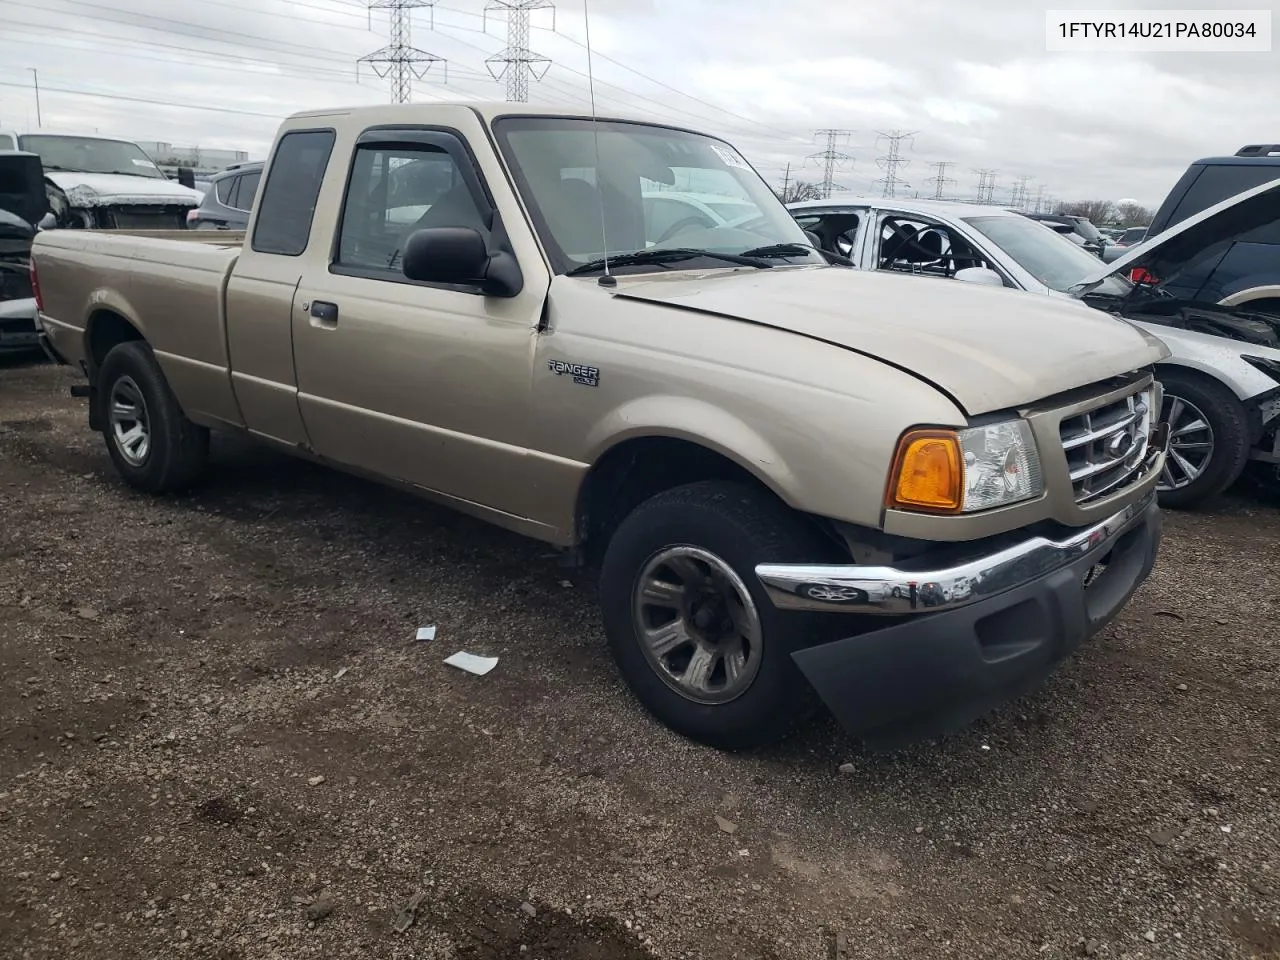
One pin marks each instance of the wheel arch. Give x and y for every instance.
(638, 467)
(107, 327)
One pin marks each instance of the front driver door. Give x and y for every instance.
(422, 383)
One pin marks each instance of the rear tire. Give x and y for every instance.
(151, 442)
(720, 670)
(1200, 411)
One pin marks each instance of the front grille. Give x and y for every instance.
(149, 218)
(1106, 447)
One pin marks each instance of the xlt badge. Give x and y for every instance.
(581, 373)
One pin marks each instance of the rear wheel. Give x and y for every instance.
(1208, 438)
(690, 627)
(151, 442)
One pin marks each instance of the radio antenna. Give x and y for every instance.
(606, 279)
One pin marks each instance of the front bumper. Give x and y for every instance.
(964, 638)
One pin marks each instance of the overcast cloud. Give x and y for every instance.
(970, 78)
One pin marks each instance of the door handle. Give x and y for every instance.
(324, 311)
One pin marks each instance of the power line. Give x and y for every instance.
(940, 178)
(831, 158)
(890, 162)
(518, 61)
(400, 60)
(146, 100)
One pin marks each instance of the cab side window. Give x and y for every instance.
(393, 191)
(291, 191)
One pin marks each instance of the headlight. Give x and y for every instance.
(963, 471)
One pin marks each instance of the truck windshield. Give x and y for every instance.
(91, 155)
(652, 188)
(1045, 254)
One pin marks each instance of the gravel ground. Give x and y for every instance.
(219, 740)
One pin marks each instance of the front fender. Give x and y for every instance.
(699, 422)
(1217, 358)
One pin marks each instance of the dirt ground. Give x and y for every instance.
(219, 740)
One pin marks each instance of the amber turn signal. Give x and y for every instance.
(928, 472)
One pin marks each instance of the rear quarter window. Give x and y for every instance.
(290, 192)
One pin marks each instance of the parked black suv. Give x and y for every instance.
(1247, 271)
(229, 199)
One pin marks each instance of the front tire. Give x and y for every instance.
(1209, 438)
(691, 629)
(151, 442)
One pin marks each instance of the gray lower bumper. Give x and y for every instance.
(965, 580)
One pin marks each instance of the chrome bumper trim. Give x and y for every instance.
(851, 588)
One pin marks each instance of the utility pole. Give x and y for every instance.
(518, 61)
(941, 178)
(35, 77)
(400, 60)
(831, 158)
(786, 182)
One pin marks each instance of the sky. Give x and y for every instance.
(969, 79)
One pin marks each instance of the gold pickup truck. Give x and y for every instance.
(911, 499)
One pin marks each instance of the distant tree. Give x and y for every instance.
(1134, 215)
(799, 190)
(1095, 211)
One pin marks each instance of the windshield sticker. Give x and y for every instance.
(730, 156)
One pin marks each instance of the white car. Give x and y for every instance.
(1222, 382)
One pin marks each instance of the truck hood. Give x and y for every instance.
(111, 189)
(1208, 233)
(988, 349)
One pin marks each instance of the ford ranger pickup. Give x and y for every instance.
(798, 482)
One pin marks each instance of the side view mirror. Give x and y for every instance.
(459, 255)
(981, 275)
(187, 177)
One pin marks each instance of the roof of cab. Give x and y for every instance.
(487, 110)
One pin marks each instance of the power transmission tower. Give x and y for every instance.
(941, 178)
(831, 158)
(890, 162)
(1039, 197)
(986, 184)
(1019, 198)
(400, 60)
(517, 60)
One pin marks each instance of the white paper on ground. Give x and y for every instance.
(427, 633)
(472, 663)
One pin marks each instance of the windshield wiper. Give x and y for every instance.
(780, 250)
(796, 250)
(131, 173)
(663, 256)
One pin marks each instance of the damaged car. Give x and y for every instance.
(1222, 380)
(101, 183)
(24, 209)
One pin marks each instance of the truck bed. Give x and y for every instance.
(169, 285)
